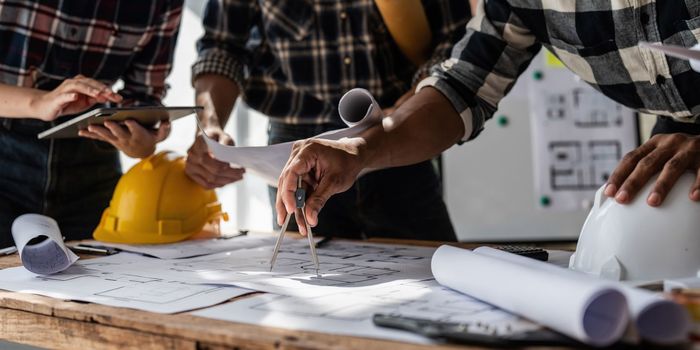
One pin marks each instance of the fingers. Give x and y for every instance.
(672, 170)
(300, 165)
(318, 199)
(645, 169)
(301, 224)
(163, 131)
(207, 171)
(117, 130)
(102, 133)
(625, 168)
(695, 190)
(96, 89)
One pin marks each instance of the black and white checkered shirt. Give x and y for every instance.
(293, 59)
(597, 40)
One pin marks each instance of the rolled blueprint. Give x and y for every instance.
(593, 312)
(655, 319)
(40, 244)
(357, 108)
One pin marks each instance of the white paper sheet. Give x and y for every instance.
(190, 248)
(591, 311)
(357, 108)
(654, 318)
(87, 281)
(343, 265)
(578, 137)
(49, 255)
(350, 313)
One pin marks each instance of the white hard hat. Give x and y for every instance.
(637, 242)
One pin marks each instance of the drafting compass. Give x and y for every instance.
(300, 197)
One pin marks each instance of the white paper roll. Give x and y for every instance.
(592, 312)
(40, 244)
(655, 319)
(358, 106)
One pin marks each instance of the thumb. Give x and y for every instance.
(163, 131)
(317, 200)
(61, 102)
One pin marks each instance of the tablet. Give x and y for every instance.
(147, 116)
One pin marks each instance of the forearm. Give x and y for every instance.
(433, 126)
(217, 94)
(17, 102)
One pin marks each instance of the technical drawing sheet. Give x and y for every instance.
(189, 248)
(88, 281)
(343, 265)
(350, 313)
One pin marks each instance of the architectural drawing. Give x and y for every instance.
(578, 137)
(580, 166)
(350, 312)
(88, 281)
(159, 285)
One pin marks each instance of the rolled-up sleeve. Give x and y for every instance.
(448, 19)
(222, 49)
(484, 64)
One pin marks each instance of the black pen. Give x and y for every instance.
(92, 250)
(323, 241)
(8, 250)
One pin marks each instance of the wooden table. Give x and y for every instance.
(53, 323)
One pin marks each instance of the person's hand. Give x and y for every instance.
(327, 167)
(72, 96)
(204, 169)
(669, 154)
(131, 138)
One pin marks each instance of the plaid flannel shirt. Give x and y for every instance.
(43, 43)
(293, 59)
(597, 40)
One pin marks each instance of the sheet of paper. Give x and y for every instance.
(87, 281)
(655, 318)
(578, 137)
(189, 248)
(357, 108)
(40, 244)
(350, 313)
(591, 311)
(344, 265)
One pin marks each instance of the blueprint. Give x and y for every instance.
(40, 244)
(189, 248)
(343, 265)
(350, 312)
(88, 281)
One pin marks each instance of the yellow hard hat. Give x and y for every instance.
(155, 202)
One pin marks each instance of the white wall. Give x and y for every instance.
(246, 202)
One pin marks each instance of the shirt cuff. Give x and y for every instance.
(215, 61)
(455, 100)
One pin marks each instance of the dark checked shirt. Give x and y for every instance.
(293, 59)
(44, 42)
(597, 40)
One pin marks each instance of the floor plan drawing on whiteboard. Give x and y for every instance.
(578, 137)
(578, 165)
